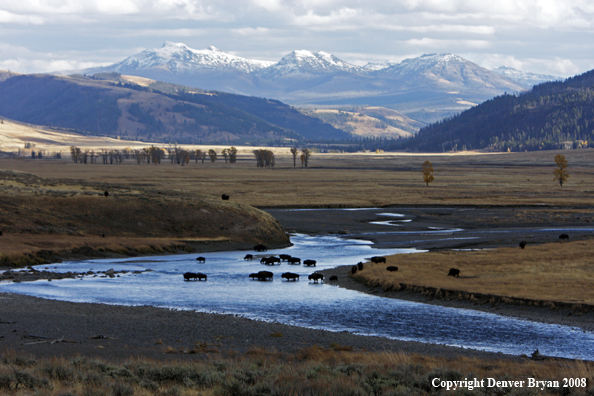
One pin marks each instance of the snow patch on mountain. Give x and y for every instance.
(525, 78)
(178, 57)
(307, 62)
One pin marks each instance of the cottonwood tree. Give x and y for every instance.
(225, 153)
(306, 153)
(232, 154)
(560, 173)
(213, 155)
(264, 158)
(294, 151)
(427, 172)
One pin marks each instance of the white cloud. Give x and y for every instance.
(9, 17)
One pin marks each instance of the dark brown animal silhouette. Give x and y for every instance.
(190, 275)
(294, 260)
(272, 261)
(225, 197)
(522, 244)
(354, 269)
(454, 272)
(563, 237)
(249, 257)
(392, 268)
(290, 276)
(360, 266)
(333, 278)
(106, 194)
(284, 257)
(265, 275)
(260, 248)
(201, 259)
(377, 259)
(309, 263)
(316, 276)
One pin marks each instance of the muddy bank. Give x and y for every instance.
(30, 325)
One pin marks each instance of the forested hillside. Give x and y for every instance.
(550, 116)
(132, 111)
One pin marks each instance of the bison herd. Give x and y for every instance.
(267, 275)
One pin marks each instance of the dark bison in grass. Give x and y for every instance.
(354, 269)
(201, 259)
(194, 276)
(522, 244)
(392, 268)
(309, 263)
(316, 276)
(290, 276)
(225, 197)
(294, 260)
(260, 248)
(377, 259)
(333, 278)
(454, 272)
(563, 237)
(249, 257)
(360, 266)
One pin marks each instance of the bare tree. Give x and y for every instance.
(294, 151)
(213, 155)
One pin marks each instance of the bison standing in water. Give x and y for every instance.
(290, 276)
(201, 259)
(249, 257)
(294, 260)
(194, 276)
(309, 263)
(316, 276)
(264, 275)
(454, 272)
(284, 257)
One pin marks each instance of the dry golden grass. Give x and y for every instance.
(557, 272)
(357, 180)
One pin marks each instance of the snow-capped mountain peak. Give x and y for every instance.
(179, 57)
(301, 62)
(525, 78)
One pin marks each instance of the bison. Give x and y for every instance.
(522, 244)
(360, 266)
(272, 261)
(333, 278)
(265, 275)
(201, 276)
(260, 248)
(309, 263)
(377, 259)
(284, 257)
(249, 257)
(392, 268)
(294, 260)
(354, 269)
(563, 237)
(253, 276)
(190, 275)
(454, 272)
(225, 197)
(106, 193)
(201, 259)
(316, 276)
(290, 276)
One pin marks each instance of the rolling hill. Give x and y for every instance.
(155, 111)
(550, 116)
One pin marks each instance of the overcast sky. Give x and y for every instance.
(543, 36)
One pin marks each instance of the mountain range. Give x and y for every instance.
(426, 88)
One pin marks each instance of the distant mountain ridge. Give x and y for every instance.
(551, 115)
(159, 112)
(426, 88)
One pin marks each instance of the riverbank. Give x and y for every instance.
(47, 328)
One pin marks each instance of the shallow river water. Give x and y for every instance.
(322, 306)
